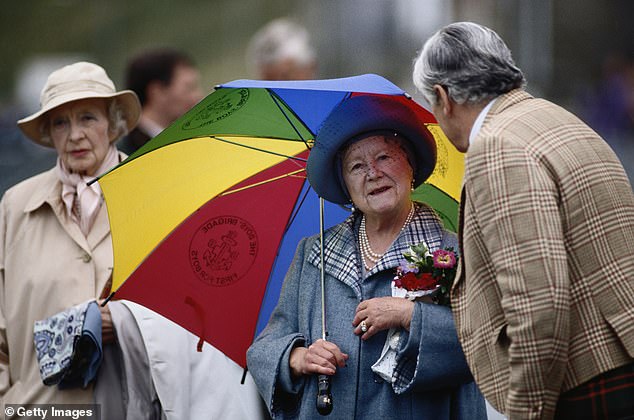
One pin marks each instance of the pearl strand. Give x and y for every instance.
(364, 242)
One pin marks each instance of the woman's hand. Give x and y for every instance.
(382, 313)
(107, 328)
(321, 358)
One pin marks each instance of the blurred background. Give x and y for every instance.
(578, 53)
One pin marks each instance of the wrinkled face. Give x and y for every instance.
(80, 134)
(182, 93)
(378, 175)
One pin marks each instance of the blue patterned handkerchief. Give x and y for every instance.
(68, 345)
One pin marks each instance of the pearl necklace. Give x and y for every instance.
(364, 243)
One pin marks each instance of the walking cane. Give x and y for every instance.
(324, 397)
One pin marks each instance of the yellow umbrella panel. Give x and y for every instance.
(148, 196)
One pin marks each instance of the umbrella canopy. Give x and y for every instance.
(206, 216)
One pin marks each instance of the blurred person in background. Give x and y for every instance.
(609, 107)
(167, 83)
(282, 50)
(19, 159)
(544, 299)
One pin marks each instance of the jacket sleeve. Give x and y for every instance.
(430, 356)
(268, 357)
(515, 201)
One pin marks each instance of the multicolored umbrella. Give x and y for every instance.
(206, 216)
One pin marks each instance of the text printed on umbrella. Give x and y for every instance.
(222, 250)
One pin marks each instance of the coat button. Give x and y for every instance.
(86, 257)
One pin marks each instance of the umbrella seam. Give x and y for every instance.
(277, 100)
(258, 149)
(257, 184)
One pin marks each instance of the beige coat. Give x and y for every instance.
(545, 297)
(46, 266)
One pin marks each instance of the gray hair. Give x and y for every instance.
(470, 61)
(279, 40)
(116, 118)
(117, 122)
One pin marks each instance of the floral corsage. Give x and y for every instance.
(422, 273)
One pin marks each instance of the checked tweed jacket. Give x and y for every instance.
(544, 299)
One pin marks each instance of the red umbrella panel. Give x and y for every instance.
(223, 252)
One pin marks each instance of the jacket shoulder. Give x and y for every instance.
(23, 190)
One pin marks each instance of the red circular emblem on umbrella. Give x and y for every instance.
(223, 250)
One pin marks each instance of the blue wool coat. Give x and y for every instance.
(432, 378)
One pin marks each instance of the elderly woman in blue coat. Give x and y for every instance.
(386, 356)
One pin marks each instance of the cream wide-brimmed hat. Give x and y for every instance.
(76, 81)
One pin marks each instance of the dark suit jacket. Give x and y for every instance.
(544, 299)
(135, 139)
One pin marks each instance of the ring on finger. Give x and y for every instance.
(364, 326)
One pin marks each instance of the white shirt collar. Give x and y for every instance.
(477, 124)
(151, 128)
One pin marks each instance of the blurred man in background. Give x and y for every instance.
(167, 83)
(282, 50)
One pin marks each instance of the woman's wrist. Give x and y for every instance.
(408, 312)
(295, 361)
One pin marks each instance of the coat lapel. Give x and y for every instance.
(460, 272)
(342, 254)
(501, 104)
(100, 229)
(50, 193)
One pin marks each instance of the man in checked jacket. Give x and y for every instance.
(544, 299)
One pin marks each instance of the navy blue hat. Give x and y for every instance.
(360, 115)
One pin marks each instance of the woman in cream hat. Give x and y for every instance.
(56, 253)
(55, 244)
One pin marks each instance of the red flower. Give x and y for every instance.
(412, 282)
(422, 273)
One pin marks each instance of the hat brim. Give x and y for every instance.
(364, 114)
(130, 104)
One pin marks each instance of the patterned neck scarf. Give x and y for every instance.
(83, 201)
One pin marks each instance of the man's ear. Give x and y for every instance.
(444, 103)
